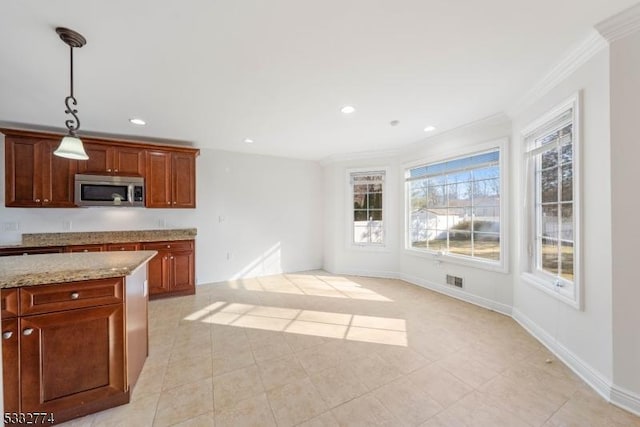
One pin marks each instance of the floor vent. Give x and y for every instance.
(454, 281)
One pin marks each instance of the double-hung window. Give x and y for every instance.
(551, 205)
(454, 207)
(367, 190)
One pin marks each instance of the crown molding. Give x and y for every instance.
(576, 58)
(620, 25)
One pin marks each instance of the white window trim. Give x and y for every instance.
(502, 145)
(539, 281)
(372, 247)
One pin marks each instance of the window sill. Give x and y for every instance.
(547, 287)
(452, 259)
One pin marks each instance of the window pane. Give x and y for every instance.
(361, 234)
(375, 201)
(486, 245)
(567, 182)
(438, 240)
(566, 255)
(375, 215)
(418, 238)
(460, 242)
(550, 221)
(487, 224)
(360, 188)
(566, 154)
(549, 185)
(567, 222)
(550, 256)
(376, 232)
(485, 189)
(375, 188)
(486, 173)
(459, 194)
(549, 159)
(359, 201)
(436, 196)
(459, 177)
(360, 216)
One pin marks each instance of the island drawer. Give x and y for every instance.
(176, 245)
(9, 299)
(69, 296)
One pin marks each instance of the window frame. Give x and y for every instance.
(530, 273)
(367, 246)
(501, 145)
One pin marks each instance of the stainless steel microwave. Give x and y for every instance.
(107, 190)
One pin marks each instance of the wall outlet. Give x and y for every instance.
(228, 256)
(66, 225)
(10, 226)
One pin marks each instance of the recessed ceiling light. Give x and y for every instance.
(429, 128)
(248, 141)
(137, 121)
(347, 109)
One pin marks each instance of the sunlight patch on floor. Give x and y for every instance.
(353, 327)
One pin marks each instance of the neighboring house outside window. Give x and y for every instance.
(454, 207)
(367, 192)
(551, 205)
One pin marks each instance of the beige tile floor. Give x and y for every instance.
(315, 349)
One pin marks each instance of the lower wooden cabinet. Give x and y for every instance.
(66, 351)
(172, 270)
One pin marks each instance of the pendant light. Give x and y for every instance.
(71, 146)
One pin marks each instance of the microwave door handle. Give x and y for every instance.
(130, 191)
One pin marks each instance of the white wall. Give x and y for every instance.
(625, 152)
(488, 288)
(271, 209)
(340, 256)
(583, 336)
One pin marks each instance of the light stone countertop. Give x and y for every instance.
(31, 270)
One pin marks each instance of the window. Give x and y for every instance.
(551, 202)
(454, 207)
(367, 193)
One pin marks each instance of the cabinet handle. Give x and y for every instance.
(170, 257)
(85, 250)
(115, 170)
(108, 170)
(75, 295)
(37, 200)
(167, 202)
(122, 249)
(174, 203)
(168, 246)
(46, 200)
(27, 332)
(7, 335)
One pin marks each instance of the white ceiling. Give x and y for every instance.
(215, 72)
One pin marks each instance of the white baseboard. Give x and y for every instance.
(588, 374)
(458, 294)
(625, 399)
(367, 273)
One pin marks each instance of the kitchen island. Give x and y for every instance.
(74, 329)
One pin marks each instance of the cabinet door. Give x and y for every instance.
(158, 182)
(70, 358)
(57, 177)
(158, 270)
(183, 175)
(128, 161)
(182, 270)
(100, 159)
(23, 186)
(10, 368)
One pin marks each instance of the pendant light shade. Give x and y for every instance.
(71, 146)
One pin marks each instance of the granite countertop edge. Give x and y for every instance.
(36, 240)
(125, 263)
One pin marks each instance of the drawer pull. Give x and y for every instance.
(75, 295)
(7, 335)
(122, 249)
(27, 332)
(85, 250)
(168, 246)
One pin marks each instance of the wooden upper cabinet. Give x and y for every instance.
(171, 179)
(158, 182)
(183, 187)
(34, 177)
(112, 160)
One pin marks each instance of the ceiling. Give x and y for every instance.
(213, 73)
